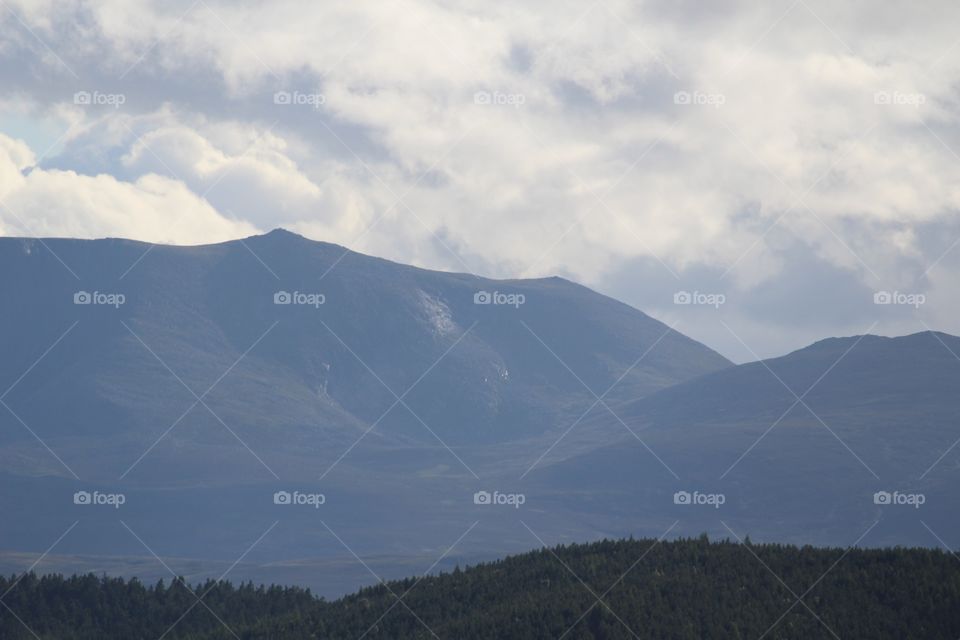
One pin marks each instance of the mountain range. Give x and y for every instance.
(201, 383)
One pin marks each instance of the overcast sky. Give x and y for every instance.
(785, 160)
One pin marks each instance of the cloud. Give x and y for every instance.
(544, 138)
(38, 202)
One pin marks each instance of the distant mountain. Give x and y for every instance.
(299, 379)
(396, 392)
(417, 408)
(891, 381)
(877, 415)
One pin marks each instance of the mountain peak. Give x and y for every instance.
(909, 340)
(281, 237)
(280, 232)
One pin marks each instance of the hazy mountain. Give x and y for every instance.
(876, 415)
(298, 379)
(496, 396)
(295, 397)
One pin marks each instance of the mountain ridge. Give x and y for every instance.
(376, 327)
(401, 395)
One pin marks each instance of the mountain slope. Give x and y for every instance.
(198, 399)
(877, 415)
(300, 378)
(868, 374)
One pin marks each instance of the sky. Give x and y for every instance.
(757, 175)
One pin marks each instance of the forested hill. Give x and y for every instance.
(682, 589)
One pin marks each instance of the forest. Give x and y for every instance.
(681, 589)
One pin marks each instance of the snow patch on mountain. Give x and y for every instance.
(437, 314)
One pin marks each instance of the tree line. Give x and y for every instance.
(682, 589)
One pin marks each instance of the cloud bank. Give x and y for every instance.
(797, 157)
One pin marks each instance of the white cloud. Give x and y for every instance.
(514, 189)
(38, 202)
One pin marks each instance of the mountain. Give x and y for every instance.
(307, 414)
(682, 589)
(877, 414)
(292, 378)
(199, 381)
